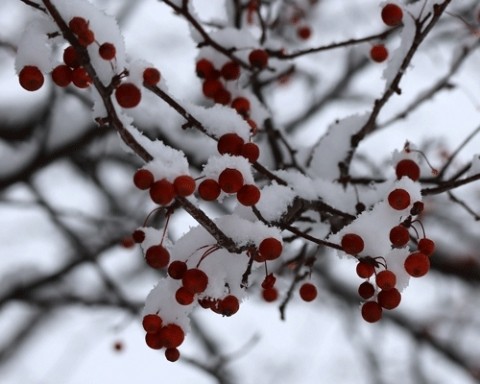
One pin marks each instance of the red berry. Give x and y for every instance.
(31, 78)
(409, 168)
(195, 280)
(417, 208)
(78, 25)
(399, 199)
(143, 179)
(151, 76)
(248, 195)
(128, 242)
(258, 58)
(172, 335)
(70, 57)
(417, 264)
(426, 246)
(386, 279)
(269, 281)
(211, 87)
(209, 190)
(184, 296)
(270, 294)
(304, 32)
(229, 305)
(366, 290)
(241, 105)
(230, 180)
(352, 243)
(176, 269)
(230, 143)
(364, 269)
(205, 69)
(230, 71)
(389, 299)
(162, 192)
(152, 323)
(222, 97)
(86, 38)
(107, 51)
(399, 236)
(157, 257)
(62, 75)
(270, 248)
(379, 53)
(81, 78)
(392, 15)
(308, 292)
(251, 152)
(154, 340)
(128, 95)
(172, 354)
(138, 236)
(371, 311)
(184, 185)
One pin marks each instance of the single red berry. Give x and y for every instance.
(31, 78)
(379, 53)
(389, 299)
(81, 78)
(304, 32)
(222, 97)
(230, 143)
(230, 180)
(386, 279)
(399, 236)
(399, 199)
(229, 305)
(248, 195)
(251, 152)
(118, 346)
(176, 269)
(184, 296)
(151, 76)
(184, 185)
(253, 126)
(205, 69)
(258, 58)
(86, 38)
(172, 354)
(352, 243)
(417, 208)
(366, 290)
(392, 15)
(143, 179)
(371, 311)
(426, 246)
(211, 87)
(128, 95)
(157, 257)
(209, 190)
(270, 248)
(62, 75)
(308, 292)
(107, 51)
(195, 280)
(409, 168)
(127, 242)
(138, 236)
(269, 281)
(152, 323)
(417, 264)
(154, 340)
(78, 25)
(230, 70)
(172, 335)
(270, 294)
(365, 269)
(70, 57)
(162, 192)
(241, 105)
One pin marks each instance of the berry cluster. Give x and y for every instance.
(159, 335)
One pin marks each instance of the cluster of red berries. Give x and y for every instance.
(162, 191)
(308, 291)
(158, 335)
